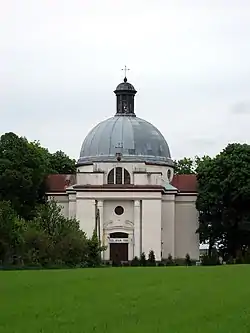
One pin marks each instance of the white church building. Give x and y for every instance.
(125, 187)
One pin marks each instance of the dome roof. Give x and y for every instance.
(125, 86)
(136, 139)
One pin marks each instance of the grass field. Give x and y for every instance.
(131, 300)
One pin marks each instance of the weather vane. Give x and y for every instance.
(125, 69)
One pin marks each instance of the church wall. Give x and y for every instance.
(90, 178)
(105, 166)
(129, 221)
(63, 202)
(141, 174)
(154, 178)
(168, 225)
(162, 169)
(151, 227)
(118, 223)
(72, 205)
(118, 220)
(86, 168)
(186, 224)
(85, 213)
(140, 179)
(148, 178)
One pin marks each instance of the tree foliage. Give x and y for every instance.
(94, 250)
(170, 260)
(48, 239)
(223, 199)
(188, 166)
(184, 166)
(11, 232)
(188, 261)
(151, 258)
(143, 260)
(135, 261)
(61, 163)
(23, 168)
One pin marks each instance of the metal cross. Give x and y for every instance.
(125, 69)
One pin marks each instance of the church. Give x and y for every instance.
(125, 188)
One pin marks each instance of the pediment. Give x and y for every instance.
(118, 224)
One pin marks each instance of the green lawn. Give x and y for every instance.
(126, 300)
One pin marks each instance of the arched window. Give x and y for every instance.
(126, 177)
(119, 176)
(111, 176)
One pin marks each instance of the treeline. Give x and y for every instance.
(49, 240)
(23, 169)
(33, 232)
(223, 201)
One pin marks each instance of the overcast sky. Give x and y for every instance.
(60, 61)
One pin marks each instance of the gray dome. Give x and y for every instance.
(136, 139)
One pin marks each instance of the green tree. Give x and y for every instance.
(143, 260)
(47, 239)
(23, 168)
(22, 172)
(135, 261)
(151, 258)
(38, 248)
(11, 227)
(72, 249)
(170, 260)
(199, 161)
(61, 163)
(53, 238)
(188, 166)
(94, 250)
(50, 219)
(184, 166)
(188, 261)
(223, 199)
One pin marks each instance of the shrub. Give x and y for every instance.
(151, 258)
(94, 251)
(135, 261)
(209, 261)
(143, 260)
(188, 261)
(125, 264)
(247, 258)
(161, 263)
(170, 261)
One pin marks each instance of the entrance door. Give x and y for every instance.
(118, 247)
(118, 252)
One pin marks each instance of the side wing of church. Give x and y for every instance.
(125, 188)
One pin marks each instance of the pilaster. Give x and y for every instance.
(137, 236)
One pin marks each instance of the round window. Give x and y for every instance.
(119, 210)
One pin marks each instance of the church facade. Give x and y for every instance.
(125, 188)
